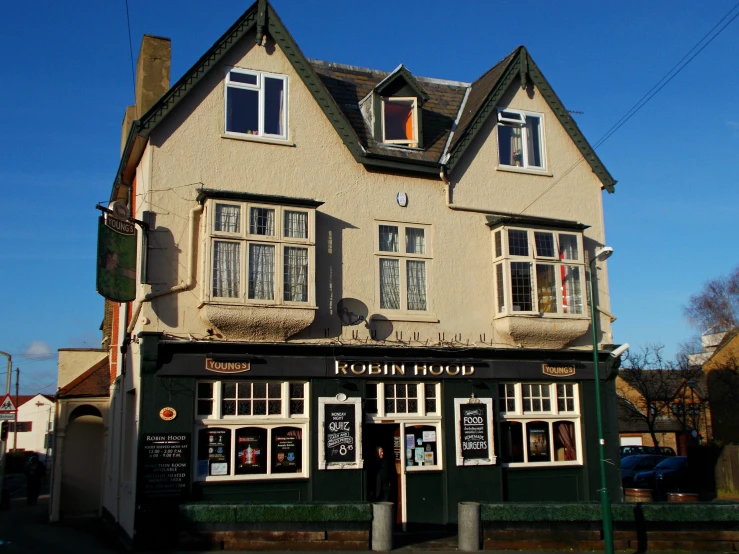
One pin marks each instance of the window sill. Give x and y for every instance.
(250, 304)
(255, 477)
(524, 465)
(527, 171)
(257, 138)
(385, 316)
(544, 316)
(419, 469)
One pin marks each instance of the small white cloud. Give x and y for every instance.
(38, 350)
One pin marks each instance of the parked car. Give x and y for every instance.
(631, 465)
(670, 475)
(635, 450)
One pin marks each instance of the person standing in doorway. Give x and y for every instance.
(385, 477)
(34, 471)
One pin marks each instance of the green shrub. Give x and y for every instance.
(246, 512)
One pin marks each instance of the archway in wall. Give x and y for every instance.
(82, 463)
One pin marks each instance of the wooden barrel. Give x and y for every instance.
(682, 497)
(638, 495)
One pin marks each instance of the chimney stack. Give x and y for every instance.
(152, 79)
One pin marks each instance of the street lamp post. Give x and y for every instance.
(601, 254)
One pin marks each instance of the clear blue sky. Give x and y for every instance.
(66, 80)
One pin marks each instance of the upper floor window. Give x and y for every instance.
(538, 271)
(256, 103)
(521, 139)
(261, 253)
(403, 254)
(400, 121)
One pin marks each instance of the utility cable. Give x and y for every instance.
(130, 49)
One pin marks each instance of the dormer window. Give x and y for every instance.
(400, 121)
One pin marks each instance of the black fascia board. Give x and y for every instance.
(534, 221)
(407, 76)
(204, 194)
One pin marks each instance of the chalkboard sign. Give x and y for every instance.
(474, 431)
(340, 433)
(164, 465)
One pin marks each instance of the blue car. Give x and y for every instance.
(670, 475)
(631, 465)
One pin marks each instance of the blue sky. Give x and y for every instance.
(67, 79)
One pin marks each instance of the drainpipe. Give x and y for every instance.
(185, 285)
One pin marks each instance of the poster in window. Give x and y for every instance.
(423, 453)
(214, 451)
(538, 441)
(473, 422)
(251, 451)
(339, 432)
(287, 447)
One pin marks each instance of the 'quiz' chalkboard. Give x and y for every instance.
(340, 433)
(473, 422)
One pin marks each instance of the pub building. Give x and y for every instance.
(329, 259)
(292, 423)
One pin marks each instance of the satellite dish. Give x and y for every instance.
(351, 311)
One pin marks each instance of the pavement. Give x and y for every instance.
(25, 529)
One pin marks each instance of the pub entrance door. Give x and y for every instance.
(387, 437)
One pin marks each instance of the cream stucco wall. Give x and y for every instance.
(73, 362)
(39, 411)
(187, 151)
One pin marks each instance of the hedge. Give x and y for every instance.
(583, 511)
(245, 512)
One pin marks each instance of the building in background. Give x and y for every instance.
(334, 259)
(34, 425)
(722, 374)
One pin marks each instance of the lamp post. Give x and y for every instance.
(601, 254)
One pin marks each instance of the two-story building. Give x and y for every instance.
(336, 259)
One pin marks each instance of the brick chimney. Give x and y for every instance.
(152, 79)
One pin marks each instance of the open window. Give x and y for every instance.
(521, 139)
(400, 121)
(256, 104)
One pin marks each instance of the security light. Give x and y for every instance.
(620, 350)
(602, 254)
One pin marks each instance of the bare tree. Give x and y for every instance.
(651, 387)
(716, 306)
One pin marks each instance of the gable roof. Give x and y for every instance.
(725, 342)
(25, 398)
(407, 76)
(336, 89)
(93, 382)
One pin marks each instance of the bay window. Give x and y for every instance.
(538, 271)
(539, 424)
(261, 253)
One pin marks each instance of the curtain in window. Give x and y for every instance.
(416, 285)
(565, 432)
(516, 147)
(227, 218)
(546, 288)
(226, 266)
(388, 238)
(296, 274)
(568, 247)
(262, 221)
(415, 241)
(261, 271)
(389, 284)
(296, 224)
(572, 294)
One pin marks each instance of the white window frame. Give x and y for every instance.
(421, 413)
(550, 417)
(520, 122)
(403, 257)
(268, 422)
(279, 240)
(401, 142)
(505, 259)
(259, 87)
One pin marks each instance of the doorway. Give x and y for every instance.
(387, 437)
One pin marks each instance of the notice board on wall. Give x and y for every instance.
(340, 428)
(164, 465)
(474, 431)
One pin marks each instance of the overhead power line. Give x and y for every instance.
(130, 49)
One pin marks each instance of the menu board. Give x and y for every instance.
(340, 433)
(473, 422)
(251, 450)
(164, 465)
(287, 447)
(214, 451)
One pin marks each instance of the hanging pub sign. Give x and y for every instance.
(474, 431)
(339, 427)
(116, 259)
